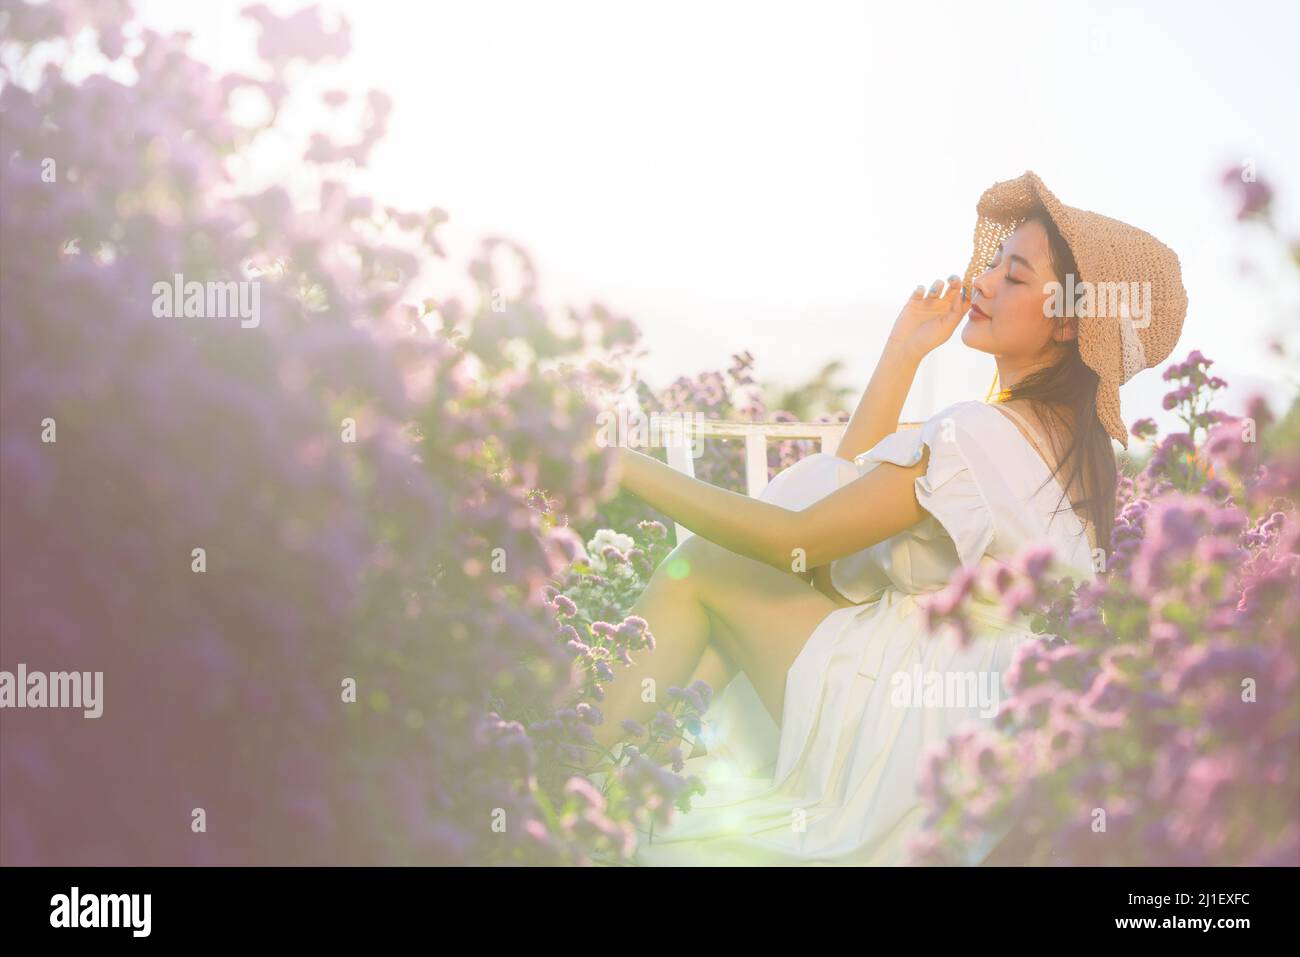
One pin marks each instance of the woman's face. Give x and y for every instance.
(1007, 316)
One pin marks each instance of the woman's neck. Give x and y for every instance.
(1058, 425)
(1013, 371)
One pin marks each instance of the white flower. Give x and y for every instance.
(607, 536)
(602, 538)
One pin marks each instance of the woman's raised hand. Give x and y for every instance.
(929, 317)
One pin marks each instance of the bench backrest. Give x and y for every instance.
(756, 435)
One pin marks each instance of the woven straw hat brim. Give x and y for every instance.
(1105, 251)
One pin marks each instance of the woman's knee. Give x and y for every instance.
(692, 560)
(705, 570)
(678, 577)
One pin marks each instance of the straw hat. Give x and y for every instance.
(1116, 344)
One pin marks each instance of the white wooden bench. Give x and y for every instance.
(755, 435)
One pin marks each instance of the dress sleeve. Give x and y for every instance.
(950, 488)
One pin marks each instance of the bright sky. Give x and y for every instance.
(779, 177)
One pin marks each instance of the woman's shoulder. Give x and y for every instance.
(969, 417)
(952, 429)
(974, 435)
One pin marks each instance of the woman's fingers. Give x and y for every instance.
(939, 289)
(951, 295)
(955, 292)
(956, 300)
(951, 301)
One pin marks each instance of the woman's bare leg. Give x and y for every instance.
(682, 630)
(715, 669)
(768, 615)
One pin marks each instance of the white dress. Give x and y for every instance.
(836, 783)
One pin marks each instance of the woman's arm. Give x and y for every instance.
(868, 510)
(880, 406)
(926, 322)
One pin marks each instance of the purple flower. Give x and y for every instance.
(654, 529)
(584, 791)
(1144, 428)
(1035, 561)
(1254, 195)
(664, 723)
(678, 762)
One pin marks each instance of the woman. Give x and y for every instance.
(809, 597)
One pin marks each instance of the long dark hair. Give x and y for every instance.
(1064, 396)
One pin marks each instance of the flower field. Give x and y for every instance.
(356, 574)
